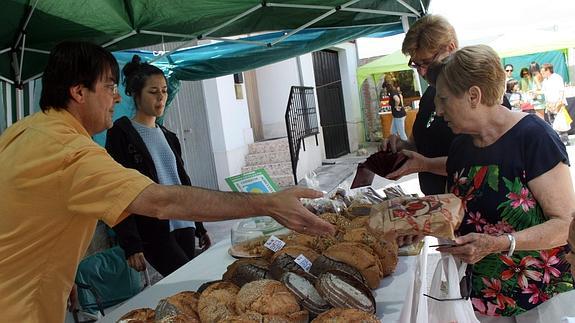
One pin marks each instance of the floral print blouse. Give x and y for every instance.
(492, 183)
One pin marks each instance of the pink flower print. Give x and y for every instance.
(521, 270)
(458, 180)
(498, 228)
(494, 290)
(485, 310)
(537, 296)
(524, 199)
(549, 259)
(477, 220)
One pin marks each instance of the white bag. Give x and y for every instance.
(445, 285)
(561, 123)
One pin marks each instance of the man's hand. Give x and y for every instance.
(137, 261)
(204, 241)
(286, 208)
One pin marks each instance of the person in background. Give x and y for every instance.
(397, 111)
(512, 174)
(508, 72)
(513, 95)
(536, 76)
(153, 150)
(525, 84)
(61, 182)
(553, 89)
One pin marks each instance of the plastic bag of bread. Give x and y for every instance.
(432, 215)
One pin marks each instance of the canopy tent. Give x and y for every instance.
(30, 28)
(393, 62)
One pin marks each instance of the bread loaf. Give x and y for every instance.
(345, 315)
(342, 290)
(386, 250)
(140, 315)
(217, 302)
(269, 297)
(181, 304)
(359, 256)
(295, 251)
(243, 271)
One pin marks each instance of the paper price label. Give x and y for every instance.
(303, 262)
(274, 244)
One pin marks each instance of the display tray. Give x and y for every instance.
(238, 252)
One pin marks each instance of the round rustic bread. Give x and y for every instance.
(359, 256)
(185, 303)
(217, 301)
(269, 297)
(296, 250)
(342, 290)
(387, 251)
(138, 315)
(243, 271)
(345, 315)
(317, 243)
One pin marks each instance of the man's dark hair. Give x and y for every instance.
(74, 63)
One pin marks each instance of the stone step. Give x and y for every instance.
(284, 181)
(272, 145)
(275, 169)
(268, 158)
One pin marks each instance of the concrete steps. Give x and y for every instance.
(274, 157)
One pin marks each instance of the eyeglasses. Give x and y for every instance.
(508, 70)
(425, 64)
(465, 286)
(113, 88)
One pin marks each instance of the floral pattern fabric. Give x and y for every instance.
(492, 183)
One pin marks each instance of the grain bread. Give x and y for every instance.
(295, 251)
(342, 290)
(139, 315)
(323, 264)
(317, 243)
(269, 297)
(386, 249)
(217, 301)
(359, 256)
(184, 303)
(243, 271)
(345, 315)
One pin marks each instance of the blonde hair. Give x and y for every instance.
(432, 32)
(477, 65)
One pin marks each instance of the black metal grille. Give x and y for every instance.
(301, 121)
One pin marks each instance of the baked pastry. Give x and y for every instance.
(181, 304)
(342, 290)
(139, 315)
(306, 293)
(359, 256)
(338, 220)
(217, 302)
(243, 271)
(386, 249)
(345, 315)
(269, 297)
(434, 215)
(323, 264)
(295, 251)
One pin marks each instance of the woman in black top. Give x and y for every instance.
(397, 111)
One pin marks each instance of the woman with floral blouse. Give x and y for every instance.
(512, 173)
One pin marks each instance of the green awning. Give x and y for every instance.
(30, 28)
(393, 62)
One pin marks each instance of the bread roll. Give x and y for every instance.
(359, 256)
(269, 297)
(345, 315)
(217, 302)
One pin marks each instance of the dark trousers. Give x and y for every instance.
(172, 254)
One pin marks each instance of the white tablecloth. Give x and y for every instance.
(393, 292)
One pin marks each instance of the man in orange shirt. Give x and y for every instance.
(61, 182)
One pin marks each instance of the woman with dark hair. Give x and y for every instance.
(526, 82)
(144, 145)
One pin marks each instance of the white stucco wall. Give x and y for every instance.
(348, 66)
(230, 128)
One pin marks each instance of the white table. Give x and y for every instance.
(211, 264)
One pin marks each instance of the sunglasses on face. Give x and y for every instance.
(508, 70)
(464, 288)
